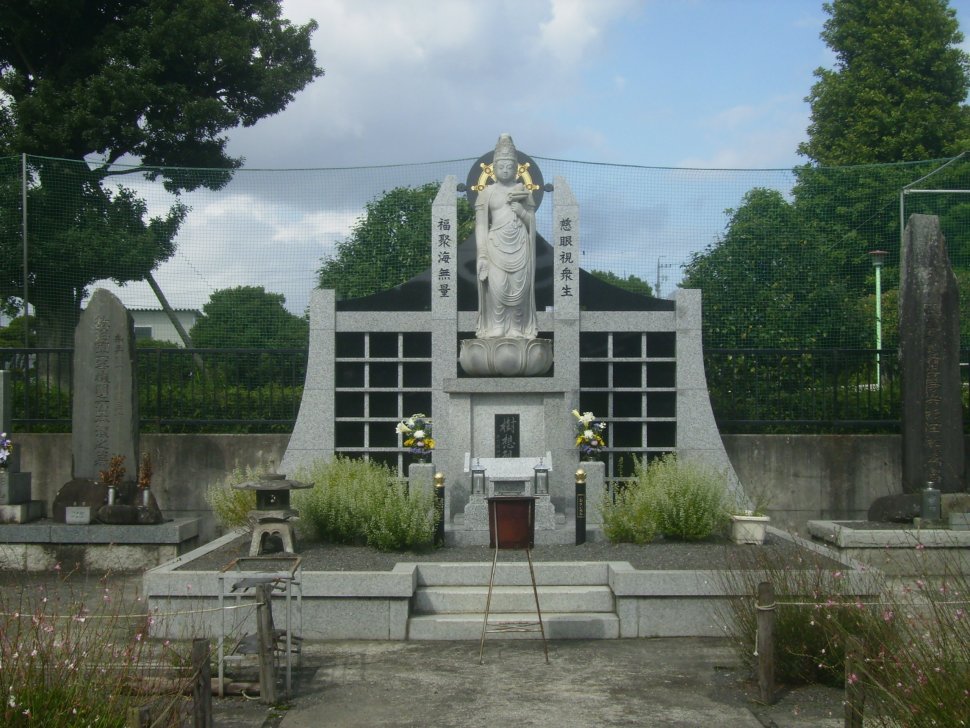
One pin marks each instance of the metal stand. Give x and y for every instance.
(516, 539)
(281, 574)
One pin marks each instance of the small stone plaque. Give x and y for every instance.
(77, 515)
(506, 436)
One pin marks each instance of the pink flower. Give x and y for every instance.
(887, 615)
(853, 678)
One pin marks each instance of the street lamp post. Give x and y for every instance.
(878, 257)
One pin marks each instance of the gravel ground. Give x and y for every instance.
(659, 555)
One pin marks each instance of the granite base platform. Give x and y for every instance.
(445, 600)
(41, 545)
(897, 549)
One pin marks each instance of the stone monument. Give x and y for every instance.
(104, 423)
(470, 342)
(16, 505)
(929, 342)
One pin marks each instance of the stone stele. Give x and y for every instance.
(929, 339)
(105, 416)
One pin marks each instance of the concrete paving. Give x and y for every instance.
(622, 682)
(685, 682)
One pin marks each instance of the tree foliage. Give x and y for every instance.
(768, 278)
(247, 317)
(389, 244)
(156, 81)
(631, 283)
(797, 273)
(898, 88)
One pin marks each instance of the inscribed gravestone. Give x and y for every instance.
(105, 417)
(929, 338)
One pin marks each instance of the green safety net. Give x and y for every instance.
(782, 256)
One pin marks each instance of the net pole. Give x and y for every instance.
(23, 205)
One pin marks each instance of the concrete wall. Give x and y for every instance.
(799, 477)
(805, 477)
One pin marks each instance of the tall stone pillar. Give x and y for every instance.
(444, 328)
(929, 339)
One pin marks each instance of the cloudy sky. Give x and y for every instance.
(710, 84)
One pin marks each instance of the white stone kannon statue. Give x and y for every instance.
(505, 241)
(506, 340)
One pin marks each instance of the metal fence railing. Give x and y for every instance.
(259, 390)
(179, 390)
(804, 390)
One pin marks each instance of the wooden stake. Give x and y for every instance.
(264, 632)
(765, 642)
(139, 717)
(202, 685)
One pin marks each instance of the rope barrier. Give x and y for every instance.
(143, 615)
(861, 604)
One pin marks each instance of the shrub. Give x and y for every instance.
(690, 498)
(814, 614)
(70, 663)
(914, 635)
(918, 675)
(358, 502)
(680, 499)
(630, 517)
(230, 506)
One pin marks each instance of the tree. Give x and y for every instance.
(631, 283)
(389, 244)
(770, 283)
(899, 85)
(158, 81)
(12, 335)
(896, 95)
(247, 317)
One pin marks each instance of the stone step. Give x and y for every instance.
(558, 626)
(471, 599)
(548, 573)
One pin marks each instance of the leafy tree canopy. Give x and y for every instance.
(157, 81)
(770, 283)
(12, 335)
(898, 88)
(631, 283)
(389, 244)
(797, 273)
(248, 317)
